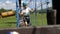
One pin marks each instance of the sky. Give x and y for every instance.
(11, 4)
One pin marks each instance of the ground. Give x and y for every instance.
(11, 21)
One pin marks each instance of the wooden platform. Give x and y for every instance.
(51, 29)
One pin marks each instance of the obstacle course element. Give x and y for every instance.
(7, 14)
(53, 29)
(17, 13)
(51, 17)
(18, 7)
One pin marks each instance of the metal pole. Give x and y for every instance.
(17, 14)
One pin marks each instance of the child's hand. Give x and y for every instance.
(21, 13)
(33, 9)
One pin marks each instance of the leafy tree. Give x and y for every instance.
(2, 10)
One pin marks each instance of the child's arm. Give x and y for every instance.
(32, 10)
(20, 13)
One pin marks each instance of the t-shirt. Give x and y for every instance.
(26, 11)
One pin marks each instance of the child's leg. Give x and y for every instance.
(28, 21)
(25, 22)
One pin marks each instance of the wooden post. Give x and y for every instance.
(51, 17)
(54, 14)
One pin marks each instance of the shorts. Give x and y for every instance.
(26, 18)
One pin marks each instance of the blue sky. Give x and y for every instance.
(10, 4)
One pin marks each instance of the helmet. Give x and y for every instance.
(24, 3)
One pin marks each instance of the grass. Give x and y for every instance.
(38, 19)
(8, 22)
(11, 21)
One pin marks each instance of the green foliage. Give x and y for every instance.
(2, 10)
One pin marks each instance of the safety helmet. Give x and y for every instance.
(24, 3)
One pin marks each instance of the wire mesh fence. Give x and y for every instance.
(11, 21)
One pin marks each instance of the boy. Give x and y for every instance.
(26, 14)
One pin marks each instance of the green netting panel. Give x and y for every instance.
(38, 20)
